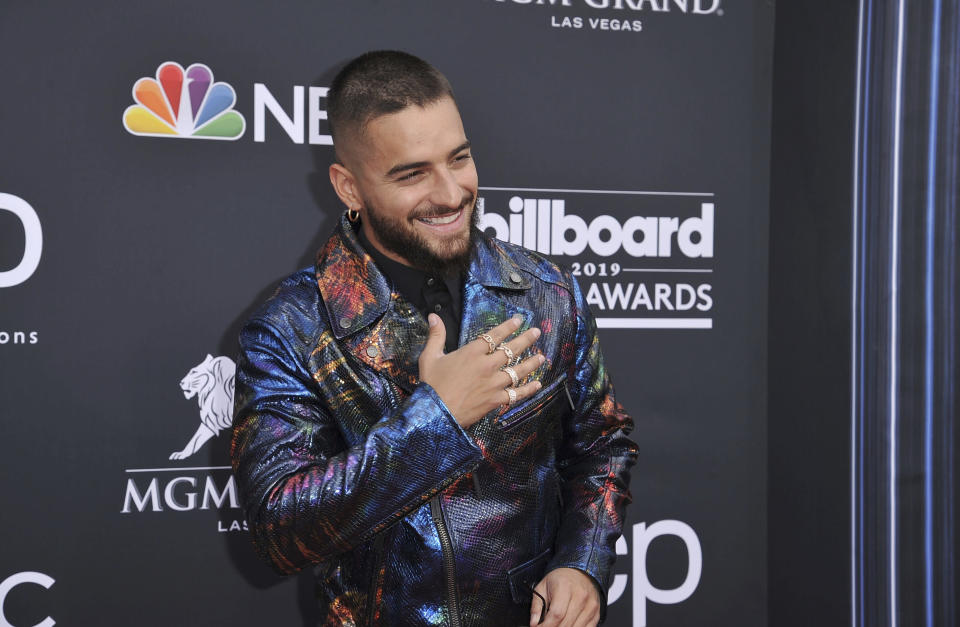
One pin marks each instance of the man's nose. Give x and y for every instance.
(446, 190)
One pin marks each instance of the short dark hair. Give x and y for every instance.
(380, 82)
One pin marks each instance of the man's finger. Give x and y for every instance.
(437, 337)
(537, 606)
(504, 330)
(523, 369)
(524, 341)
(528, 365)
(559, 599)
(522, 392)
(589, 612)
(588, 617)
(515, 347)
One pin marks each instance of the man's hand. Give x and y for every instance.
(469, 380)
(572, 598)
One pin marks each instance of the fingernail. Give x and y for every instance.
(539, 385)
(536, 332)
(541, 358)
(432, 320)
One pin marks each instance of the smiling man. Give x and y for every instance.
(424, 416)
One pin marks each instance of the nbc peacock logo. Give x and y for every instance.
(184, 103)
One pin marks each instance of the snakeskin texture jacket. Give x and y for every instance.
(347, 463)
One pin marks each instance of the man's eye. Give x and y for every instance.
(462, 157)
(410, 175)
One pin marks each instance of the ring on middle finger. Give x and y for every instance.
(489, 340)
(513, 375)
(506, 351)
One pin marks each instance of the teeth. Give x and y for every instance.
(441, 220)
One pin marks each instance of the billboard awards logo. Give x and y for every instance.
(191, 488)
(643, 259)
(184, 103)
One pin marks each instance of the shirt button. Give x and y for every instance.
(346, 322)
(514, 277)
(372, 351)
(430, 281)
(437, 308)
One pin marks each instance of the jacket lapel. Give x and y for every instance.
(382, 329)
(492, 279)
(369, 322)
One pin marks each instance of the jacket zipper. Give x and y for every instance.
(449, 565)
(375, 577)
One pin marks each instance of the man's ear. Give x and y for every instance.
(345, 184)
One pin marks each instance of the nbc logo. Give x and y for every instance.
(184, 103)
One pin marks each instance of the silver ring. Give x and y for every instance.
(506, 351)
(513, 375)
(511, 396)
(489, 340)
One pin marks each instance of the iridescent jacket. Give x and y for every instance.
(346, 461)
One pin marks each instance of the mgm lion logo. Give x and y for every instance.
(211, 381)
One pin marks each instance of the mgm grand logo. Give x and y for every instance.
(693, 7)
(185, 489)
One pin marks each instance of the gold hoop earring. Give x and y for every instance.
(352, 214)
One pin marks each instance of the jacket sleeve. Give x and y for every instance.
(307, 495)
(594, 461)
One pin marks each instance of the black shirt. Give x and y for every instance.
(427, 292)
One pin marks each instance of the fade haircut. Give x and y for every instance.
(378, 83)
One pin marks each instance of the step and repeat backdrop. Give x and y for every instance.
(163, 165)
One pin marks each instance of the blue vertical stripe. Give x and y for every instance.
(930, 319)
(856, 467)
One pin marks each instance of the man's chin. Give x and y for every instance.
(433, 250)
(449, 256)
(452, 259)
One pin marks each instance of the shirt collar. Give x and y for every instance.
(355, 291)
(408, 281)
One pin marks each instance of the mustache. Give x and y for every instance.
(436, 212)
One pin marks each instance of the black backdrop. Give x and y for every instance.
(154, 250)
(814, 93)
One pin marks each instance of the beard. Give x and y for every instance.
(448, 257)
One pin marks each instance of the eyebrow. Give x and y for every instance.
(403, 167)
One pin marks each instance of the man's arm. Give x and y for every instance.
(307, 495)
(594, 462)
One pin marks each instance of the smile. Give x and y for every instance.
(442, 220)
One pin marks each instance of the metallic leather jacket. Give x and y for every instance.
(346, 461)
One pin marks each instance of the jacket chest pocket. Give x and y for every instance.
(553, 400)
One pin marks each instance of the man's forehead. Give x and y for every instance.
(417, 132)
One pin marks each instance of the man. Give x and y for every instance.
(425, 415)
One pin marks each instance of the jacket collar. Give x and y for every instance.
(355, 292)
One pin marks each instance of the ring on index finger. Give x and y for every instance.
(489, 340)
(506, 351)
